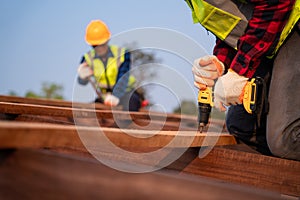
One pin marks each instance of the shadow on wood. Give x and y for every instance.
(28, 174)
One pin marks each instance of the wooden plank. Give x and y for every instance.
(245, 168)
(34, 135)
(141, 120)
(140, 124)
(69, 104)
(27, 111)
(259, 171)
(38, 118)
(51, 102)
(20, 108)
(27, 174)
(235, 166)
(62, 115)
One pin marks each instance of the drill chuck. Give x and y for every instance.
(204, 113)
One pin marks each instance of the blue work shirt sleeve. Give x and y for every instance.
(122, 77)
(80, 80)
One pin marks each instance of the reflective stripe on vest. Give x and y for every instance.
(228, 20)
(225, 19)
(106, 76)
(293, 19)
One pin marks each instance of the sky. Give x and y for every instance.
(43, 41)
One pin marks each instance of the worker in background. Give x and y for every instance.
(258, 39)
(110, 66)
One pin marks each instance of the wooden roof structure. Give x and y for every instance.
(43, 155)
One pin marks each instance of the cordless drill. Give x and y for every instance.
(205, 104)
(255, 98)
(252, 103)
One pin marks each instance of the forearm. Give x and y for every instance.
(262, 34)
(224, 53)
(80, 80)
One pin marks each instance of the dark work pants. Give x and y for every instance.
(130, 101)
(280, 129)
(283, 127)
(244, 125)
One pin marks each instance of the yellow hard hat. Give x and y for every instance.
(97, 33)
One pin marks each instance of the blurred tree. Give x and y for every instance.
(48, 91)
(31, 94)
(52, 91)
(141, 57)
(12, 93)
(187, 108)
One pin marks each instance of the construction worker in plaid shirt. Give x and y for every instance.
(255, 38)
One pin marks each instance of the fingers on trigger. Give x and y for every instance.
(200, 85)
(204, 81)
(221, 107)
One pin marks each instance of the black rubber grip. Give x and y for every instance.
(204, 112)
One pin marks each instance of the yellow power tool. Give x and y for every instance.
(205, 103)
(253, 100)
(254, 95)
(249, 97)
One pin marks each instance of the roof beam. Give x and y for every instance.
(34, 135)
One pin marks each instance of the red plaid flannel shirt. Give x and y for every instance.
(260, 38)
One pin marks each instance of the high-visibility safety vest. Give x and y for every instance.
(228, 19)
(106, 76)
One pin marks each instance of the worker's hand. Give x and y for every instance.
(229, 90)
(111, 100)
(84, 71)
(206, 70)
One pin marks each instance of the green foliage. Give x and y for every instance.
(12, 93)
(187, 108)
(52, 91)
(141, 57)
(31, 94)
(48, 91)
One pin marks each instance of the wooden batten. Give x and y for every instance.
(21, 108)
(46, 175)
(82, 116)
(52, 102)
(75, 132)
(271, 173)
(21, 134)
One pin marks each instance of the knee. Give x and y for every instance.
(286, 143)
(240, 123)
(135, 102)
(131, 101)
